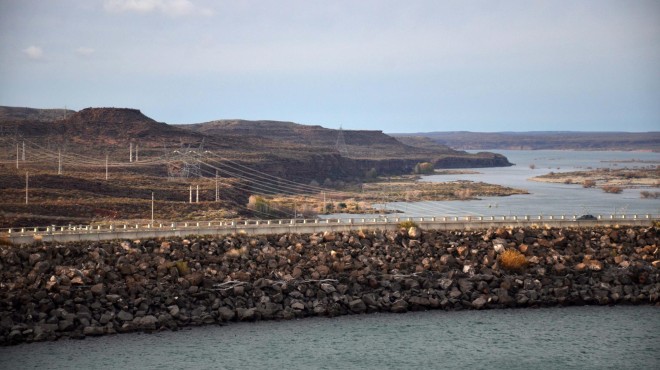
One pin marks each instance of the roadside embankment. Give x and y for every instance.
(52, 291)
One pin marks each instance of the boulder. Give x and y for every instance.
(246, 314)
(479, 303)
(399, 306)
(357, 306)
(226, 313)
(414, 232)
(328, 288)
(98, 289)
(93, 331)
(125, 316)
(147, 322)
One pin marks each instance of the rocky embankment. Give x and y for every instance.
(85, 289)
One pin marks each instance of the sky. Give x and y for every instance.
(396, 66)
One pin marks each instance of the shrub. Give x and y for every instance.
(424, 168)
(182, 266)
(650, 194)
(532, 166)
(568, 181)
(512, 260)
(613, 189)
(371, 174)
(588, 183)
(407, 224)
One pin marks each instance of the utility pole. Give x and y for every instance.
(197, 195)
(190, 201)
(59, 161)
(217, 190)
(136, 152)
(152, 207)
(106, 167)
(26, 187)
(323, 211)
(23, 157)
(130, 153)
(16, 155)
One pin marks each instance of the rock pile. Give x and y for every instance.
(75, 290)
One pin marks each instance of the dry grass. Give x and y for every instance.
(588, 183)
(512, 260)
(613, 189)
(407, 224)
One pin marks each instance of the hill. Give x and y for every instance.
(649, 141)
(351, 143)
(33, 114)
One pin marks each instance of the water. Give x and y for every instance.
(620, 337)
(544, 198)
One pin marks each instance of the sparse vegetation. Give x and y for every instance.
(512, 260)
(588, 183)
(612, 189)
(610, 180)
(371, 174)
(463, 194)
(424, 168)
(650, 194)
(407, 224)
(182, 266)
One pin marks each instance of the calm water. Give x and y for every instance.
(622, 337)
(544, 198)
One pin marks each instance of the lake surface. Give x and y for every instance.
(620, 337)
(544, 198)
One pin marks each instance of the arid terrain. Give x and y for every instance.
(104, 164)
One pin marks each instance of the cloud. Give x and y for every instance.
(172, 8)
(34, 52)
(85, 51)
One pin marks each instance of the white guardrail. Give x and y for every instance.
(275, 224)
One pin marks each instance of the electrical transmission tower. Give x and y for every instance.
(185, 162)
(340, 146)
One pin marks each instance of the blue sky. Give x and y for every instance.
(396, 66)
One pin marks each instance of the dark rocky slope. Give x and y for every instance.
(85, 289)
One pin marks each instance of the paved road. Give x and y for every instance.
(260, 227)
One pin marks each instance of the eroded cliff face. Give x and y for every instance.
(335, 167)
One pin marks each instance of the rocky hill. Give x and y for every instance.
(367, 144)
(649, 141)
(33, 114)
(286, 149)
(101, 126)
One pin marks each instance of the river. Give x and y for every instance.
(620, 337)
(543, 198)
